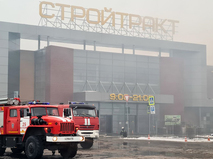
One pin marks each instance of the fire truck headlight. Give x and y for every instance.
(82, 138)
(55, 138)
(76, 129)
(47, 130)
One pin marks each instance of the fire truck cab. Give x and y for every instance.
(35, 127)
(86, 117)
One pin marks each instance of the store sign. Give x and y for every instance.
(105, 16)
(172, 119)
(135, 97)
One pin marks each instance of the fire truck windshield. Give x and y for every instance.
(84, 112)
(44, 111)
(52, 111)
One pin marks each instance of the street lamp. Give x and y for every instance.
(127, 112)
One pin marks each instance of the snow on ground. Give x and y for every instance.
(171, 139)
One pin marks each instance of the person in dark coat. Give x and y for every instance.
(123, 132)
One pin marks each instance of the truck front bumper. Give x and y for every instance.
(89, 133)
(58, 139)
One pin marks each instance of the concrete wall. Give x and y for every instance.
(172, 82)
(210, 82)
(13, 63)
(54, 75)
(40, 76)
(195, 79)
(4, 36)
(27, 75)
(195, 86)
(59, 74)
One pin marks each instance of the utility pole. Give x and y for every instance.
(127, 112)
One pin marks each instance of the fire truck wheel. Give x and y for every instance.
(69, 151)
(87, 144)
(73, 149)
(34, 147)
(16, 151)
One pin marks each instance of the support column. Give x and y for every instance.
(159, 52)
(39, 42)
(84, 44)
(94, 45)
(48, 42)
(122, 48)
(133, 49)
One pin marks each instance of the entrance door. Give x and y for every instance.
(106, 124)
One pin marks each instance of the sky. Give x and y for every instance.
(195, 16)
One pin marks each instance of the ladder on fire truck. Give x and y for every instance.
(9, 101)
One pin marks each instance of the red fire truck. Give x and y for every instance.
(86, 117)
(35, 127)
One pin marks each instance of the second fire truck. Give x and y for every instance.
(86, 117)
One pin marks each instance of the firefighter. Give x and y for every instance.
(123, 132)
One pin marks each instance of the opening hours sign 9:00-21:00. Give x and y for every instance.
(134, 97)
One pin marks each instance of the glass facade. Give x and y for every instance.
(95, 67)
(113, 116)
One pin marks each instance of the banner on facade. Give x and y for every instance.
(172, 119)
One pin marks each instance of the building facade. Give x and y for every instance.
(58, 74)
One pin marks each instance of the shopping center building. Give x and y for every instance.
(178, 81)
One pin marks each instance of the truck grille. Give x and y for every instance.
(87, 127)
(67, 127)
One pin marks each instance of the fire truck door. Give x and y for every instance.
(12, 122)
(24, 120)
